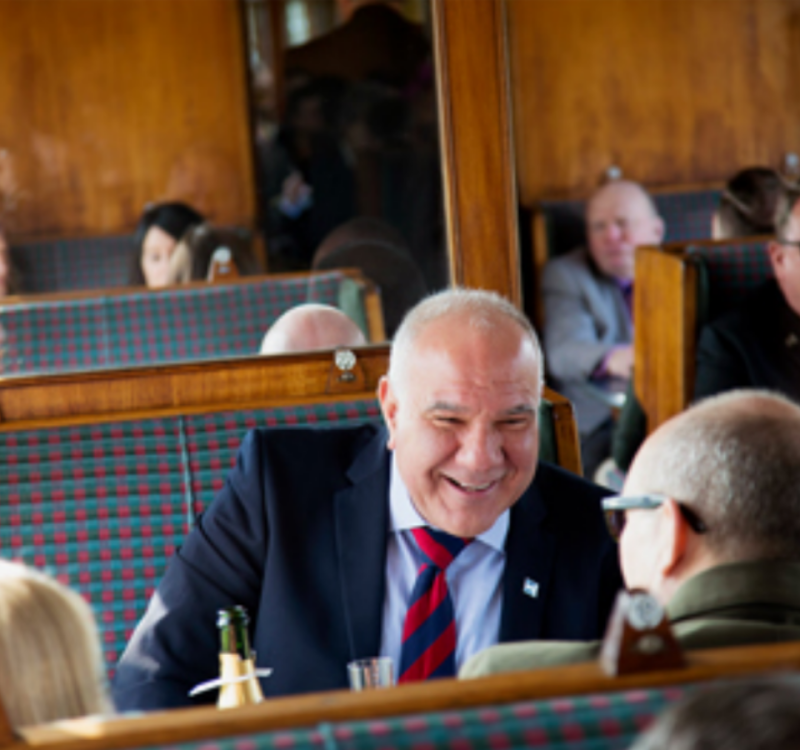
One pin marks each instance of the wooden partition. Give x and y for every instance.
(171, 727)
(114, 104)
(671, 91)
(194, 387)
(665, 333)
(478, 153)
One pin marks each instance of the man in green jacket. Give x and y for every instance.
(711, 519)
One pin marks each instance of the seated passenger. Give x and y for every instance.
(191, 258)
(50, 654)
(748, 204)
(157, 235)
(758, 344)
(320, 533)
(588, 302)
(311, 326)
(719, 542)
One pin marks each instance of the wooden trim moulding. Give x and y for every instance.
(192, 724)
(193, 387)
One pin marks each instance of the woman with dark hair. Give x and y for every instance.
(192, 258)
(157, 235)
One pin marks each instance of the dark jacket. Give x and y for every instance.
(755, 346)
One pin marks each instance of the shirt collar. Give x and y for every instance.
(403, 515)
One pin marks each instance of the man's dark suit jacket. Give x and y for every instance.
(298, 535)
(755, 346)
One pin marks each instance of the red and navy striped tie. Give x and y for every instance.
(429, 633)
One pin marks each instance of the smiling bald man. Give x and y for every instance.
(426, 540)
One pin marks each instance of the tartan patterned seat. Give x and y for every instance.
(607, 721)
(212, 440)
(687, 216)
(102, 507)
(77, 263)
(727, 274)
(137, 327)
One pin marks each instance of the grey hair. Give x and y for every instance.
(740, 715)
(735, 460)
(483, 310)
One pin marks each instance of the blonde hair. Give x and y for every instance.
(50, 654)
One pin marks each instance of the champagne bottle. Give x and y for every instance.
(236, 660)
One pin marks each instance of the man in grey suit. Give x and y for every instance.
(710, 525)
(587, 302)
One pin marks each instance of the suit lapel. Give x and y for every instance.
(362, 522)
(530, 550)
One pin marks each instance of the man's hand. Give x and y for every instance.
(619, 363)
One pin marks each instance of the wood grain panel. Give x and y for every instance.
(664, 339)
(474, 120)
(183, 725)
(566, 432)
(110, 105)
(672, 91)
(219, 385)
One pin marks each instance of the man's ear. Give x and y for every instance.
(776, 253)
(388, 401)
(673, 538)
(658, 229)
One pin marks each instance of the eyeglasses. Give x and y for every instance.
(615, 507)
(788, 243)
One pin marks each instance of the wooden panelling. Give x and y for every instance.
(220, 385)
(671, 91)
(474, 119)
(422, 697)
(664, 338)
(109, 105)
(566, 432)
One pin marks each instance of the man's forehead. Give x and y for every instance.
(622, 200)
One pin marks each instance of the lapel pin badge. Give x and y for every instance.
(530, 588)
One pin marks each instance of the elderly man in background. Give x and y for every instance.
(711, 517)
(426, 541)
(309, 327)
(588, 307)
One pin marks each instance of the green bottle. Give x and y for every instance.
(236, 660)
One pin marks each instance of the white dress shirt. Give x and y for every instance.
(474, 578)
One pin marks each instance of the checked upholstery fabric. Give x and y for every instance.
(153, 327)
(429, 631)
(103, 507)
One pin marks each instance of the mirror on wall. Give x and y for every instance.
(345, 128)
(307, 126)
